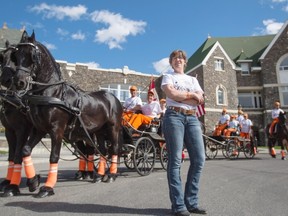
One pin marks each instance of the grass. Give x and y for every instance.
(3, 152)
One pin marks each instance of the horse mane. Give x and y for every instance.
(48, 53)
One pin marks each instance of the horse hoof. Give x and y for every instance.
(111, 178)
(80, 175)
(11, 190)
(4, 184)
(33, 183)
(90, 174)
(283, 158)
(273, 156)
(44, 192)
(97, 178)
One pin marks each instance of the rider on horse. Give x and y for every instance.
(275, 114)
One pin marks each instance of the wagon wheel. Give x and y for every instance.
(164, 156)
(211, 149)
(231, 150)
(144, 156)
(128, 151)
(248, 150)
(224, 149)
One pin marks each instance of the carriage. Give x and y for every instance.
(230, 146)
(143, 147)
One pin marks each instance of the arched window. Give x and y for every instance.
(283, 79)
(221, 95)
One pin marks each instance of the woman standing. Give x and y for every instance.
(180, 125)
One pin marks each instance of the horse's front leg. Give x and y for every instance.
(114, 152)
(11, 140)
(13, 188)
(284, 144)
(33, 180)
(47, 189)
(271, 144)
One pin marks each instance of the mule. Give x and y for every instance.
(17, 126)
(64, 112)
(281, 136)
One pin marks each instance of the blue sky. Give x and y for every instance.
(140, 34)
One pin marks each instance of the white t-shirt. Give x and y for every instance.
(224, 118)
(131, 102)
(275, 113)
(181, 82)
(151, 109)
(246, 125)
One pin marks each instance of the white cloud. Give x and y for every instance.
(62, 32)
(50, 46)
(119, 28)
(59, 12)
(162, 66)
(93, 64)
(78, 36)
(279, 1)
(271, 26)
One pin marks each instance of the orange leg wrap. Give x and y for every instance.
(10, 170)
(52, 175)
(90, 165)
(16, 176)
(29, 167)
(102, 166)
(273, 152)
(113, 167)
(82, 164)
(283, 154)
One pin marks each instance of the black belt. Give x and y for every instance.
(183, 111)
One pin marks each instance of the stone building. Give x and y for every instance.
(247, 73)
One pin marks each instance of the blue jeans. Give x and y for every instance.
(179, 129)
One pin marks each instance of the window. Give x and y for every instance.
(283, 78)
(250, 99)
(219, 64)
(245, 70)
(122, 92)
(221, 95)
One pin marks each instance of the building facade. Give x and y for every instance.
(247, 73)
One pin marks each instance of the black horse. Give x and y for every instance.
(64, 112)
(281, 136)
(17, 126)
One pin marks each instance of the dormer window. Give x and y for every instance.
(245, 69)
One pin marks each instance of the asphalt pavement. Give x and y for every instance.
(241, 187)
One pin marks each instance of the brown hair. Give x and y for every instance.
(178, 53)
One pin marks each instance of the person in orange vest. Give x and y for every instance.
(131, 105)
(245, 127)
(232, 126)
(275, 114)
(222, 123)
(150, 111)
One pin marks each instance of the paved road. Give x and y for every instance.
(242, 187)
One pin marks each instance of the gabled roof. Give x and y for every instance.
(12, 35)
(252, 46)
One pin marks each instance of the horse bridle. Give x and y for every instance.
(36, 58)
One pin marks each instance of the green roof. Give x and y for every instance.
(237, 48)
(12, 35)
